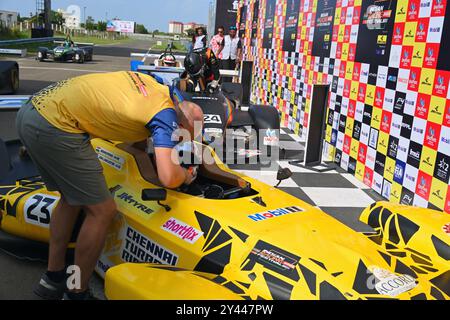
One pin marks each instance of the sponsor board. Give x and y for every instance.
(262, 216)
(390, 284)
(138, 248)
(182, 230)
(110, 158)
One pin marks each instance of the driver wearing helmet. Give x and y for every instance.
(169, 61)
(202, 69)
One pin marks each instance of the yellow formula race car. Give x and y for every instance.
(232, 237)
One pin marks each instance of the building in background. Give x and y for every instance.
(176, 27)
(72, 18)
(8, 18)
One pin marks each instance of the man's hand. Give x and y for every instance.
(191, 175)
(212, 86)
(170, 173)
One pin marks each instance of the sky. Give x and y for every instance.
(154, 14)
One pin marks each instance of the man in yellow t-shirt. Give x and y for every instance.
(56, 125)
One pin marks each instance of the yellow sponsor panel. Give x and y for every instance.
(383, 142)
(354, 90)
(341, 33)
(337, 16)
(428, 160)
(328, 134)
(345, 48)
(437, 110)
(370, 94)
(350, 65)
(382, 39)
(389, 169)
(349, 126)
(438, 193)
(360, 168)
(376, 118)
(354, 149)
(418, 54)
(396, 192)
(426, 81)
(402, 9)
(409, 36)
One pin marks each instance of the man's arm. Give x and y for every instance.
(214, 65)
(221, 47)
(171, 174)
(162, 127)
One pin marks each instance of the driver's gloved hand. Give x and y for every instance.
(212, 86)
(191, 175)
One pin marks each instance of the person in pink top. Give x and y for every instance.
(217, 44)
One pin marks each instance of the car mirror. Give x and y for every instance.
(154, 194)
(283, 174)
(157, 195)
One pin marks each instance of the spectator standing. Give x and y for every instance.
(232, 51)
(216, 43)
(199, 39)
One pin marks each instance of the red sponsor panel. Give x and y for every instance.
(368, 177)
(342, 69)
(347, 87)
(422, 29)
(351, 109)
(356, 15)
(431, 55)
(362, 153)
(356, 71)
(339, 50)
(305, 120)
(335, 35)
(347, 32)
(343, 15)
(447, 202)
(414, 79)
(447, 114)
(347, 144)
(413, 10)
(352, 52)
(362, 92)
(379, 97)
(406, 57)
(423, 187)
(438, 8)
(386, 120)
(423, 106)
(399, 30)
(432, 135)
(441, 82)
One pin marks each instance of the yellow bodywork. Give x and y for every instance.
(293, 251)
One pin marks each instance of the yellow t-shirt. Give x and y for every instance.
(114, 106)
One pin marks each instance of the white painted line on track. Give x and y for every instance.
(65, 69)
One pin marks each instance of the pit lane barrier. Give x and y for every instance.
(223, 73)
(23, 52)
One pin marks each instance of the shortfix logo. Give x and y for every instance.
(182, 230)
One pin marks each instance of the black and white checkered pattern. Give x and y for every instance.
(336, 192)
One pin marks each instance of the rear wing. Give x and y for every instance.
(12, 103)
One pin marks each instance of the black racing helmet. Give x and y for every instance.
(194, 63)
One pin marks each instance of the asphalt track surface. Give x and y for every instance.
(22, 262)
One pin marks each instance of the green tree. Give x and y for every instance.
(101, 26)
(57, 18)
(140, 28)
(90, 23)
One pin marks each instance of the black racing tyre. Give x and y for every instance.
(15, 79)
(80, 57)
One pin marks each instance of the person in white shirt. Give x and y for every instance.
(231, 52)
(199, 40)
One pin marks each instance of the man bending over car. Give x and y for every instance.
(56, 126)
